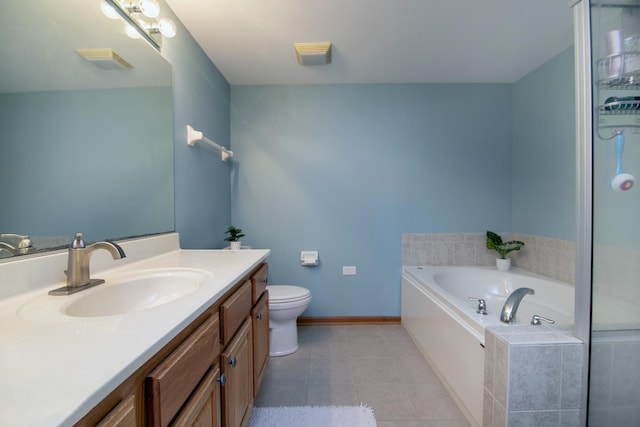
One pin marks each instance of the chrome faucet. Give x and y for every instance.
(78, 275)
(510, 306)
(22, 248)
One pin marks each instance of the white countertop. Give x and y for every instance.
(54, 368)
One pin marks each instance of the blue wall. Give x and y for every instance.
(346, 169)
(59, 145)
(544, 170)
(202, 181)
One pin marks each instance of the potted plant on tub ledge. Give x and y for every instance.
(494, 242)
(235, 234)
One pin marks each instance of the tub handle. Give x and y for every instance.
(482, 305)
(536, 320)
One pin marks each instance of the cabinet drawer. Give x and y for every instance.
(123, 415)
(203, 408)
(234, 310)
(259, 283)
(171, 383)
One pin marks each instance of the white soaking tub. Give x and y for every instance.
(437, 313)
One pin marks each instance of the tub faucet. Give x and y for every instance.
(78, 275)
(510, 307)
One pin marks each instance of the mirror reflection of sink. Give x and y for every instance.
(135, 291)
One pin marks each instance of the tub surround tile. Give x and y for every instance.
(487, 408)
(549, 257)
(501, 374)
(489, 362)
(534, 382)
(570, 418)
(572, 362)
(534, 377)
(533, 418)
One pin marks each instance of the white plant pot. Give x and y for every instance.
(235, 245)
(503, 264)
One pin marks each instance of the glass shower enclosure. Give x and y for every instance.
(614, 370)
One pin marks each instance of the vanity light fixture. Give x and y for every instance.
(108, 10)
(131, 31)
(141, 19)
(149, 8)
(166, 27)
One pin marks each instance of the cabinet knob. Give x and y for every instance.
(259, 316)
(233, 362)
(222, 379)
(264, 280)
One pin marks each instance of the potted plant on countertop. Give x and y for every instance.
(235, 234)
(494, 242)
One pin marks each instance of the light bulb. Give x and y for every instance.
(150, 8)
(131, 32)
(167, 27)
(108, 10)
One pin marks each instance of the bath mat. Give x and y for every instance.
(313, 416)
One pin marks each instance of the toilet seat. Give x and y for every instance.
(281, 294)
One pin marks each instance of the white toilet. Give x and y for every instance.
(286, 303)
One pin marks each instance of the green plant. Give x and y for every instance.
(494, 242)
(235, 234)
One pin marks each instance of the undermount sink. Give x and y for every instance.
(136, 291)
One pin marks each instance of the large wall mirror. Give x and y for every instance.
(86, 145)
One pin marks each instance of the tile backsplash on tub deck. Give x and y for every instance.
(549, 257)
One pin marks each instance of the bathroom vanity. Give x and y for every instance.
(197, 359)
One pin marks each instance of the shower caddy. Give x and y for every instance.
(618, 93)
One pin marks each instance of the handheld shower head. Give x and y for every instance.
(622, 181)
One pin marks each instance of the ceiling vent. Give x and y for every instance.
(313, 53)
(105, 58)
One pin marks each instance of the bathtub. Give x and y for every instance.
(438, 315)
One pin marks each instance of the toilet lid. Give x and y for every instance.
(287, 293)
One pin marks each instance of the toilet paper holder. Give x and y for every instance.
(308, 258)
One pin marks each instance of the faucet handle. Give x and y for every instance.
(482, 305)
(536, 320)
(78, 243)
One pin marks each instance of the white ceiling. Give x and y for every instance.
(379, 41)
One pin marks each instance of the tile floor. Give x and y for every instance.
(374, 365)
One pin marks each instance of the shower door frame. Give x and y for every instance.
(584, 187)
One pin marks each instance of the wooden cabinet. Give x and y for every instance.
(259, 283)
(203, 408)
(234, 311)
(260, 326)
(123, 415)
(237, 366)
(173, 381)
(207, 375)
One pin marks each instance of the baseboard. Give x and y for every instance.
(349, 320)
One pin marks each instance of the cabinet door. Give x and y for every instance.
(237, 366)
(203, 407)
(171, 383)
(260, 325)
(123, 415)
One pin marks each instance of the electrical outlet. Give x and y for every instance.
(348, 270)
